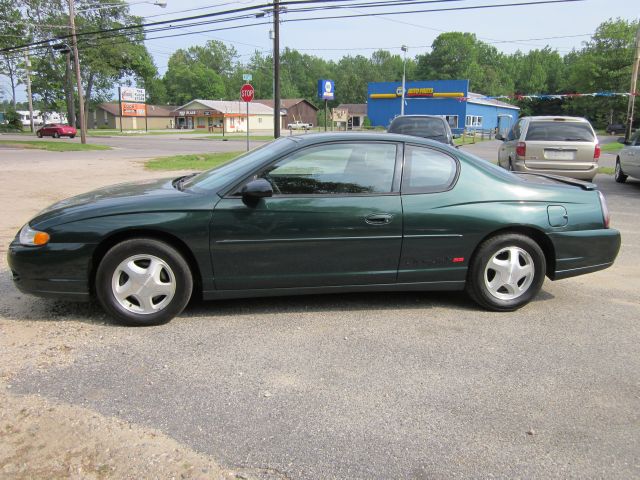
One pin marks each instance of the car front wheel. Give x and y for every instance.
(39, 134)
(56, 135)
(619, 175)
(143, 281)
(506, 272)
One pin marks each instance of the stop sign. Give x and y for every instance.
(246, 92)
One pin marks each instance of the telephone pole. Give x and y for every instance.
(633, 91)
(27, 68)
(276, 69)
(74, 45)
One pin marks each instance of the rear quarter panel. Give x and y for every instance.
(442, 227)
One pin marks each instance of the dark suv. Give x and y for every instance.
(615, 128)
(425, 126)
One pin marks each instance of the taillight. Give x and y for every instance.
(605, 210)
(596, 152)
(521, 149)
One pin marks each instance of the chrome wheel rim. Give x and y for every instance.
(143, 284)
(509, 273)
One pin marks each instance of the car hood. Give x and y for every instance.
(135, 197)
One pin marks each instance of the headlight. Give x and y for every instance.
(31, 237)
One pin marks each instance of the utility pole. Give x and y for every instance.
(71, 102)
(27, 68)
(276, 69)
(404, 49)
(633, 91)
(72, 25)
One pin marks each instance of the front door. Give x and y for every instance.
(335, 218)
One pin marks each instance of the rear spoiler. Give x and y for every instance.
(569, 181)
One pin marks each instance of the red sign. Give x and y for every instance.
(134, 109)
(246, 92)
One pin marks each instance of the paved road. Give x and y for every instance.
(138, 147)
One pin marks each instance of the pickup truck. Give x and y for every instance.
(297, 125)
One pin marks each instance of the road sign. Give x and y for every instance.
(326, 90)
(247, 77)
(246, 92)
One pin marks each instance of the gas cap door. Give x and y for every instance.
(557, 215)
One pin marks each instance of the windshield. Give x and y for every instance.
(426, 127)
(560, 131)
(223, 174)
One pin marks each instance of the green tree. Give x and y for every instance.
(13, 32)
(200, 72)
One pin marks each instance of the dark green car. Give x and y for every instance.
(317, 214)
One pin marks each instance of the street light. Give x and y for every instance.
(404, 49)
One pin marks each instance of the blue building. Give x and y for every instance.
(449, 98)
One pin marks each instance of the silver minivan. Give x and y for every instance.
(565, 146)
(628, 161)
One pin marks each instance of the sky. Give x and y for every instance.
(508, 28)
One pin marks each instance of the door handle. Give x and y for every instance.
(378, 218)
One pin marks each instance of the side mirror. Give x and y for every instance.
(255, 190)
(499, 137)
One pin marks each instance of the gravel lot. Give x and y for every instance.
(342, 386)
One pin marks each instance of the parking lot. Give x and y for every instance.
(411, 385)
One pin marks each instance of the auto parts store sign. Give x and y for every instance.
(133, 102)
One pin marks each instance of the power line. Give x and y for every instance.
(294, 2)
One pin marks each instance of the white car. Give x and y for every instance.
(297, 125)
(628, 161)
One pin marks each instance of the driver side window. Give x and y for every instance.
(341, 168)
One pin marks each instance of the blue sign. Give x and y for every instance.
(326, 89)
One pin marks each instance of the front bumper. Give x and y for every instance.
(584, 251)
(56, 270)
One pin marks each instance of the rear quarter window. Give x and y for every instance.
(427, 170)
(560, 132)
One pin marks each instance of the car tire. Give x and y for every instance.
(514, 256)
(510, 166)
(39, 134)
(72, 136)
(619, 175)
(123, 285)
(56, 135)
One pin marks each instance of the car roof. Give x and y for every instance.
(556, 117)
(313, 138)
(419, 116)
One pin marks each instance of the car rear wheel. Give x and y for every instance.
(506, 272)
(510, 166)
(619, 175)
(72, 136)
(39, 134)
(143, 282)
(56, 135)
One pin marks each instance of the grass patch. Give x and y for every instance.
(200, 161)
(612, 147)
(607, 170)
(468, 139)
(52, 146)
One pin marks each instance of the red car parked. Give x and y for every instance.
(56, 130)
